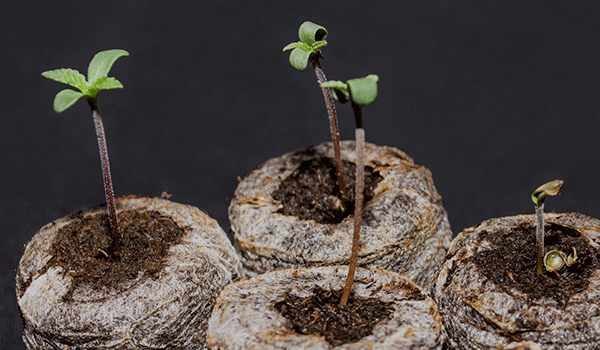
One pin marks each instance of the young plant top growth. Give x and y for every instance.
(97, 80)
(312, 38)
(360, 92)
(538, 196)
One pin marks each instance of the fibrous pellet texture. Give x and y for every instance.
(245, 316)
(404, 227)
(479, 313)
(169, 311)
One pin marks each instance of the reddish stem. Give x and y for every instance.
(108, 187)
(359, 188)
(333, 125)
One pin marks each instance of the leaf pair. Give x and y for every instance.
(97, 79)
(361, 91)
(312, 38)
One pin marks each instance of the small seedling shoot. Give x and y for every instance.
(312, 38)
(360, 92)
(538, 196)
(97, 80)
(554, 260)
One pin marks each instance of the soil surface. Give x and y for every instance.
(311, 191)
(82, 246)
(512, 262)
(322, 314)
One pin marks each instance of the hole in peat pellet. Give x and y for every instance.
(322, 314)
(311, 191)
(512, 262)
(80, 248)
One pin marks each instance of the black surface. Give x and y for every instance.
(495, 98)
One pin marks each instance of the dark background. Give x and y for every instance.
(495, 98)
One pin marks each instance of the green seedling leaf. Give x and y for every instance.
(310, 33)
(105, 84)
(299, 58)
(102, 63)
(339, 89)
(97, 79)
(68, 76)
(316, 46)
(335, 84)
(291, 46)
(551, 188)
(66, 99)
(311, 40)
(363, 91)
(110, 83)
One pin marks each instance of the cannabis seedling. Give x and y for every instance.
(538, 196)
(360, 92)
(97, 80)
(312, 38)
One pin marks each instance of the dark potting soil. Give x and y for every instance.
(512, 262)
(82, 247)
(311, 191)
(322, 314)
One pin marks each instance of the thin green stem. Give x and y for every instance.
(333, 125)
(359, 195)
(108, 187)
(539, 234)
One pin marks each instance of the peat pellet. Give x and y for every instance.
(247, 313)
(164, 305)
(490, 296)
(404, 225)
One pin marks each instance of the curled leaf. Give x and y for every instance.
(311, 40)
(309, 33)
(551, 188)
(299, 59)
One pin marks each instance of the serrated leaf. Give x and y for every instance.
(363, 91)
(291, 46)
(299, 59)
(316, 46)
(66, 99)
(104, 84)
(309, 33)
(102, 63)
(68, 76)
(110, 83)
